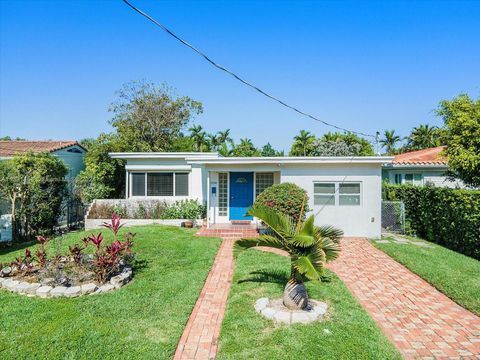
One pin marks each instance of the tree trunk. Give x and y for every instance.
(295, 296)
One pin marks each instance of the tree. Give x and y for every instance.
(461, 117)
(148, 117)
(199, 137)
(224, 136)
(245, 149)
(323, 147)
(389, 141)
(357, 144)
(309, 247)
(35, 186)
(302, 144)
(268, 150)
(424, 136)
(87, 142)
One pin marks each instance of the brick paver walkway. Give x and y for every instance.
(199, 340)
(418, 319)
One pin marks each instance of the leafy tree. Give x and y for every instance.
(35, 186)
(224, 136)
(389, 141)
(308, 246)
(87, 142)
(302, 144)
(200, 138)
(183, 144)
(351, 140)
(245, 149)
(323, 147)
(424, 136)
(268, 150)
(148, 117)
(461, 116)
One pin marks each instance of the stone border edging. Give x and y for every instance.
(274, 310)
(46, 291)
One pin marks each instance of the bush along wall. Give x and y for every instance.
(449, 217)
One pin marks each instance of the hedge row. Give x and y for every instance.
(449, 217)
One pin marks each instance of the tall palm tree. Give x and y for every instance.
(303, 141)
(199, 137)
(309, 247)
(224, 136)
(424, 136)
(389, 141)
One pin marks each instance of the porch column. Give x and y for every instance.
(127, 184)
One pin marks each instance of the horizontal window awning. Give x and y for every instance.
(135, 167)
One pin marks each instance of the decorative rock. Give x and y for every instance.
(20, 288)
(73, 291)
(32, 288)
(6, 271)
(268, 313)
(117, 281)
(282, 317)
(58, 291)
(47, 281)
(275, 310)
(106, 288)
(10, 284)
(88, 288)
(44, 291)
(261, 304)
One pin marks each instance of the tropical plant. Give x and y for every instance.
(288, 198)
(356, 145)
(389, 141)
(308, 246)
(424, 136)
(199, 137)
(245, 149)
(302, 144)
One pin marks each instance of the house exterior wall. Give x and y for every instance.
(73, 160)
(429, 176)
(362, 220)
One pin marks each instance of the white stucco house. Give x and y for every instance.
(343, 191)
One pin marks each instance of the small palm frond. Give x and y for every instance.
(302, 240)
(279, 223)
(262, 240)
(310, 265)
(330, 248)
(330, 232)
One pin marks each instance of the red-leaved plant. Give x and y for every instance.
(76, 252)
(41, 252)
(114, 224)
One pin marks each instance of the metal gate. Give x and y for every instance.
(393, 216)
(72, 215)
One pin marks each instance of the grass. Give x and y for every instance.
(247, 335)
(454, 274)
(142, 320)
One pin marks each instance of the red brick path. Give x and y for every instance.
(418, 319)
(199, 340)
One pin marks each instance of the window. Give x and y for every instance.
(262, 181)
(349, 194)
(415, 179)
(331, 194)
(159, 184)
(222, 194)
(324, 194)
(181, 184)
(398, 178)
(138, 184)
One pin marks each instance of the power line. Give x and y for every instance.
(245, 82)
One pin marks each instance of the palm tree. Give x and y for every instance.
(424, 136)
(309, 247)
(390, 141)
(302, 142)
(199, 137)
(224, 136)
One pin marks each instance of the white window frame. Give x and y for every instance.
(337, 194)
(130, 185)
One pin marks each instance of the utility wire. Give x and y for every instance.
(222, 68)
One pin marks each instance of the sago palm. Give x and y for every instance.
(309, 247)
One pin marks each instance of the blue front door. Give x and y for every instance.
(241, 194)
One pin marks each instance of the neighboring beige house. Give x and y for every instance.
(421, 167)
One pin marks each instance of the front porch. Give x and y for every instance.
(231, 193)
(230, 231)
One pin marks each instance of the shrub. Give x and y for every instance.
(185, 209)
(286, 198)
(449, 217)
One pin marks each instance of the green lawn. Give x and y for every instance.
(454, 274)
(142, 320)
(247, 335)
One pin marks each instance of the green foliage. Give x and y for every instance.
(286, 198)
(302, 144)
(308, 249)
(185, 209)
(363, 146)
(450, 217)
(268, 150)
(246, 149)
(35, 186)
(390, 141)
(462, 122)
(424, 136)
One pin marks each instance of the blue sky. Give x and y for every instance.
(368, 66)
